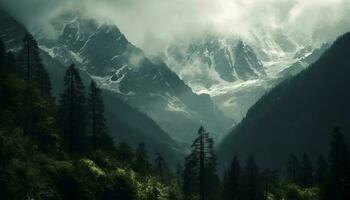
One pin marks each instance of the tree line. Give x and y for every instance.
(62, 149)
(329, 179)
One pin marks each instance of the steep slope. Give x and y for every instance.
(211, 60)
(237, 71)
(149, 85)
(298, 115)
(12, 32)
(125, 122)
(304, 59)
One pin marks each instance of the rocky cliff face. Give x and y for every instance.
(236, 72)
(149, 85)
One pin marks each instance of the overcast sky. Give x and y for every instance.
(151, 24)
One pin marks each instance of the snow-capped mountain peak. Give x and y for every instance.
(149, 85)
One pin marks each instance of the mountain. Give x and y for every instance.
(304, 59)
(12, 32)
(126, 124)
(230, 59)
(102, 51)
(237, 71)
(298, 115)
(213, 60)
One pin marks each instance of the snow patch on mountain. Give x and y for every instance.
(103, 52)
(236, 71)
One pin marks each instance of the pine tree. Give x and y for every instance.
(338, 184)
(231, 182)
(307, 172)
(190, 175)
(125, 154)
(270, 180)
(199, 175)
(73, 111)
(212, 186)
(160, 166)
(37, 90)
(293, 169)
(321, 171)
(99, 136)
(252, 181)
(34, 71)
(179, 171)
(141, 164)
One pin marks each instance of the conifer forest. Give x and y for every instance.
(174, 100)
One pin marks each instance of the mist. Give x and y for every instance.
(152, 24)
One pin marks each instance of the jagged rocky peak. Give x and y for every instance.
(221, 58)
(247, 65)
(101, 49)
(76, 32)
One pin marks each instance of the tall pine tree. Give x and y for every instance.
(231, 182)
(293, 169)
(307, 172)
(161, 167)
(253, 188)
(99, 134)
(141, 163)
(338, 184)
(200, 176)
(33, 69)
(73, 110)
(321, 170)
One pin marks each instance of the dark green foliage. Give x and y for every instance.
(307, 172)
(37, 167)
(231, 181)
(141, 163)
(271, 184)
(293, 169)
(200, 173)
(33, 70)
(99, 136)
(161, 168)
(338, 182)
(252, 183)
(73, 113)
(24, 106)
(321, 171)
(125, 154)
(179, 171)
(190, 176)
(154, 195)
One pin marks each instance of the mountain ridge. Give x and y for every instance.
(149, 85)
(298, 114)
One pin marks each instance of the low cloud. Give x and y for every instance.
(152, 24)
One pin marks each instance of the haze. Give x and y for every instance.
(152, 24)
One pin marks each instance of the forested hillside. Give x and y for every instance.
(64, 150)
(120, 116)
(298, 115)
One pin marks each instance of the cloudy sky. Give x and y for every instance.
(151, 24)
